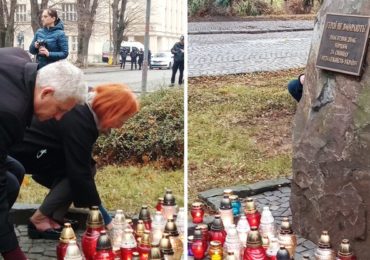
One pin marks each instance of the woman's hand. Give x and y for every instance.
(109, 226)
(37, 44)
(44, 51)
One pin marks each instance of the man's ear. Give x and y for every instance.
(47, 91)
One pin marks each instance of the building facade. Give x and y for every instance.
(167, 23)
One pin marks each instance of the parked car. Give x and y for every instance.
(162, 60)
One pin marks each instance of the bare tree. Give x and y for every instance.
(86, 12)
(7, 23)
(36, 13)
(121, 20)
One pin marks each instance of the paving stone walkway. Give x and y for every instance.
(278, 201)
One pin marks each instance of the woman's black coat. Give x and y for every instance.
(54, 149)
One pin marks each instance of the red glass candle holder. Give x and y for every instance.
(197, 212)
(255, 253)
(218, 235)
(197, 249)
(127, 253)
(89, 241)
(159, 206)
(254, 219)
(61, 250)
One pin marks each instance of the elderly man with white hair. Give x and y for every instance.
(48, 93)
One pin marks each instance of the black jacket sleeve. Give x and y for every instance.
(79, 135)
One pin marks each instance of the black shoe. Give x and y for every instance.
(52, 234)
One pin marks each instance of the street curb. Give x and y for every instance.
(247, 31)
(211, 197)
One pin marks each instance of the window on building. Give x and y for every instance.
(74, 43)
(69, 12)
(20, 13)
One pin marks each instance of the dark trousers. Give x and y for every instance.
(10, 183)
(123, 62)
(140, 64)
(132, 64)
(59, 198)
(177, 65)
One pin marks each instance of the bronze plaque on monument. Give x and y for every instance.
(343, 43)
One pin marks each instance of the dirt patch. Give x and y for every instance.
(275, 133)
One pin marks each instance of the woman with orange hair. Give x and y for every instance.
(58, 154)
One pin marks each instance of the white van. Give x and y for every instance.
(129, 46)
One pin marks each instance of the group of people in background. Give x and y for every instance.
(136, 57)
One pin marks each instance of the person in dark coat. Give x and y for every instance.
(150, 59)
(178, 64)
(133, 55)
(295, 87)
(58, 154)
(24, 91)
(50, 43)
(140, 54)
(123, 54)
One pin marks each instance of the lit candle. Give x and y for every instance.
(273, 248)
(157, 227)
(104, 248)
(67, 235)
(175, 240)
(286, 237)
(197, 246)
(226, 212)
(325, 250)
(232, 242)
(267, 225)
(235, 204)
(128, 245)
(90, 237)
(119, 225)
(197, 212)
(144, 215)
(73, 252)
(243, 228)
(252, 214)
(254, 249)
(215, 250)
(217, 232)
(169, 205)
(345, 251)
(144, 246)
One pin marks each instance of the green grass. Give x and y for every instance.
(239, 129)
(124, 188)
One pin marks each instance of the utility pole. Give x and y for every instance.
(110, 34)
(146, 48)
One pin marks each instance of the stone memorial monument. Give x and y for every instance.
(331, 136)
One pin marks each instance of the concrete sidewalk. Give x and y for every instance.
(251, 27)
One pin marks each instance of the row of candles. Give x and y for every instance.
(233, 235)
(157, 238)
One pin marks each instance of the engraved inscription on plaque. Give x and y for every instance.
(343, 43)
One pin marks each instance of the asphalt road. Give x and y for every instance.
(220, 54)
(156, 78)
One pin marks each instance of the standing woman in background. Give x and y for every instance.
(50, 43)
